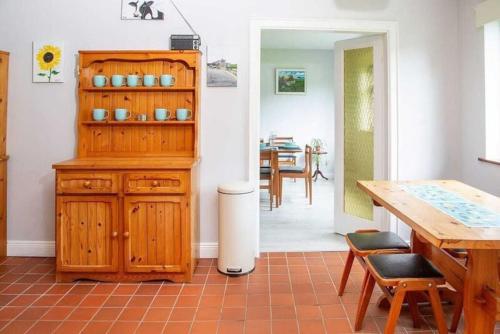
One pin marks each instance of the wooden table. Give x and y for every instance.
(433, 231)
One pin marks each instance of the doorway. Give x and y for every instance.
(389, 32)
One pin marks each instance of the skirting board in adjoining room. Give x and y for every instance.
(47, 248)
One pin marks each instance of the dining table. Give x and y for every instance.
(445, 215)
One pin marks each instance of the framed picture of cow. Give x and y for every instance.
(290, 81)
(143, 10)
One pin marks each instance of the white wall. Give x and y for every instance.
(479, 174)
(302, 116)
(41, 126)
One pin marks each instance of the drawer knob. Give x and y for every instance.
(114, 234)
(86, 184)
(155, 183)
(126, 235)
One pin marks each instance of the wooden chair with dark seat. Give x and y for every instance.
(368, 242)
(298, 172)
(270, 173)
(285, 159)
(405, 275)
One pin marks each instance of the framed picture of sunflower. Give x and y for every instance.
(48, 62)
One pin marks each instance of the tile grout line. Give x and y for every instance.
(100, 307)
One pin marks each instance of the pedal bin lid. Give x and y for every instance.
(235, 188)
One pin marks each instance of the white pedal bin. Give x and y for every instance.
(236, 229)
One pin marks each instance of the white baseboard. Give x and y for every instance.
(47, 248)
(209, 250)
(31, 248)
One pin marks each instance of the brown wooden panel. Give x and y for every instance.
(87, 230)
(87, 183)
(156, 183)
(154, 232)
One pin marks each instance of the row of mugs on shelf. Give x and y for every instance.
(134, 80)
(161, 114)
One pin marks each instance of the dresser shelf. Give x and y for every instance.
(139, 89)
(124, 123)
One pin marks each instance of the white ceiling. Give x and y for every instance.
(303, 39)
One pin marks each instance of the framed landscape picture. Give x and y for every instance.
(290, 81)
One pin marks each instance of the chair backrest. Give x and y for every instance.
(281, 140)
(271, 156)
(308, 158)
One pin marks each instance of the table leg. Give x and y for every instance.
(318, 172)
(479, 291)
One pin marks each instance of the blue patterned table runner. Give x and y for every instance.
(468, 213)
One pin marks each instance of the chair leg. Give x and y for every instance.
(307, 188)
(412, 303)
(271, 195)
(310, 191)
(457, 313)
(437, 310)
(347, 271)
(280, 195)
(394, 311)
(364, 300)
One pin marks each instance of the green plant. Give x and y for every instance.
(317, 145)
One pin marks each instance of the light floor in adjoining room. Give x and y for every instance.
(296, 225)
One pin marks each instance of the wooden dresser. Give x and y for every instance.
(4, 78)
(127, 205)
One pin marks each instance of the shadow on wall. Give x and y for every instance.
(361, 5)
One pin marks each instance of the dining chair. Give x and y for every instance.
(285, 159)
(270, 173)
(298, 172)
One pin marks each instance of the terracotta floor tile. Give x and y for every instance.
(24, 300)
(284, 326)
(147, 289)
(258, 327)
(182, 314)
(58, 313)
(67, 327)
(44, 327)
(6, 299)
(337, 326)
(96, 327)
(177, 328)
(108, 314)
(38, 289)
(81, 289)
(308, 312)
(140, 301)
(150, 328)
(333, 311)
(258, 313)
(70, 300)
(254, 300)
(233, 313)
(157, 314)
(126, 289)
(124, 327)
(83, 313)
(117, 301)
(172, 290)
(132, 314)
(208, 313)
(231, 327)
(187, 301)
(283, 312)
(92, 301)
(15, 288)
(17, 327)
(284, 299)
(204, 327)
(211, 301)
(48, 300)
(235, 301)
(192, 290)
(311, 327)
(219, 290)
(103, 289)
(163, 301)
(33, 313)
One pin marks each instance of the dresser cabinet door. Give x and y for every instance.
(155, 233)
(87, 233)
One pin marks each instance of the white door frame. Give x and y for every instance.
(389, 28)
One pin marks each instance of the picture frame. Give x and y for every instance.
(48, 62)
(144, 10)
(222, 66)
(291, 81)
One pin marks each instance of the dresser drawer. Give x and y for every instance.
(156, 183)
(87, 183)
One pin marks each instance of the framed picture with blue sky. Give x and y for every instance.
(291, 81)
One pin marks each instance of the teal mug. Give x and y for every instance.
(121, 114)
(99, 114)
(149, 80)
(167, 80)
(133, 80)
(183, 114)
(117, 80)
(100, 80)
(162, 114)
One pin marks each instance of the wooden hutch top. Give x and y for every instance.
(133, 143)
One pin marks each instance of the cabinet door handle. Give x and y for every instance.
(114, 234)
(155, 184)
(126, 234)
(86, 184)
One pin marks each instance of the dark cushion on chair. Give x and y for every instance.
(392, 266)
(377, 240)
(265, 170)
(291, 169)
